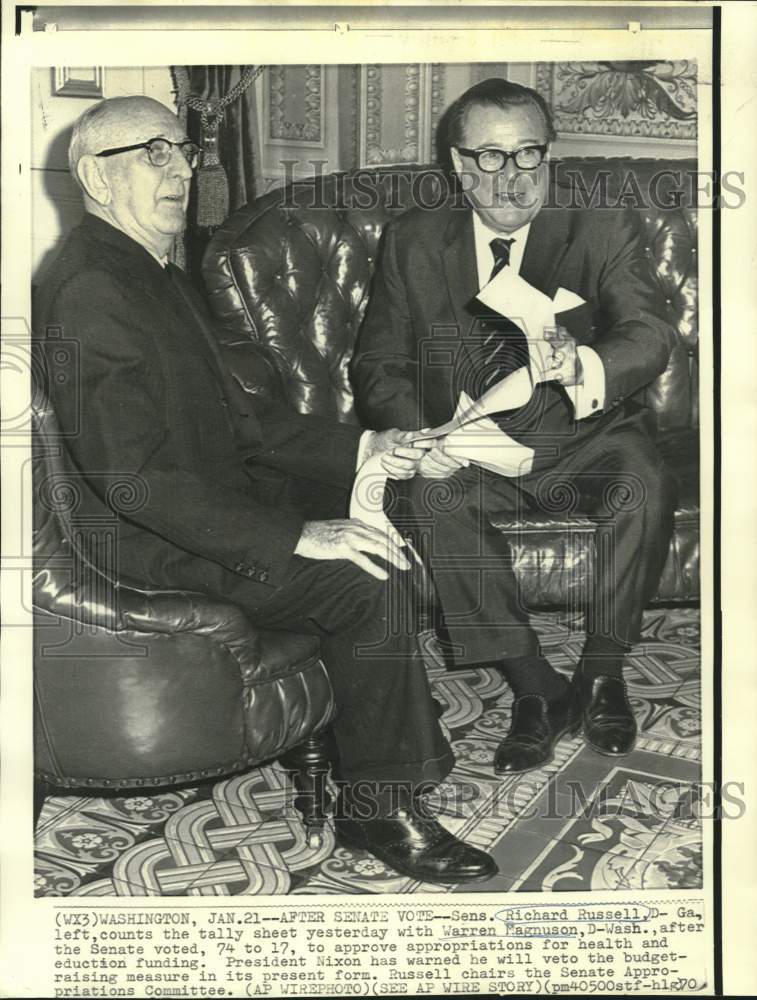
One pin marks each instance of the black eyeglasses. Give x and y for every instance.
(159, 151)
(491, 159)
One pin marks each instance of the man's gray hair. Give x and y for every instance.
(83, 136)
(90, 131)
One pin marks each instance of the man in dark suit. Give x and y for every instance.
(233, 495)
(427, 336)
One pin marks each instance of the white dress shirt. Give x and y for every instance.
(587, 398)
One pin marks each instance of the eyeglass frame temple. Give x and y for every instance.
(146, 145)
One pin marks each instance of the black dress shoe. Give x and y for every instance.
(416, 846)
(537, 725)
(608, 719)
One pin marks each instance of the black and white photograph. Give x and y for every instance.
(242, 616)
(372, 499)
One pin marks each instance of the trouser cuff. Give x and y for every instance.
(383, 785)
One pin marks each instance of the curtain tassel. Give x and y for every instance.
(212, 182)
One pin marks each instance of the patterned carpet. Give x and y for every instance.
(582, 822)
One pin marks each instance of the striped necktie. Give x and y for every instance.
(505, 347)
(500, 249)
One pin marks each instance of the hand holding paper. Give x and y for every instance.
(482, 442)
(471, 436)
(437, 463)
(397, 454)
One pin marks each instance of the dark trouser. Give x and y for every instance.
(610, 469)
(387, 728)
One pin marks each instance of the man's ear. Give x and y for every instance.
(93, 179)
(468, 178)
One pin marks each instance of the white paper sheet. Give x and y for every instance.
(510, 295)
(565, 299)
(470, 435)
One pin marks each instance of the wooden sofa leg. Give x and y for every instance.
(309, 763)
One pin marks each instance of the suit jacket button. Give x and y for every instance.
(250, 571)
(263, 577)
(594, 404)
(239, 568)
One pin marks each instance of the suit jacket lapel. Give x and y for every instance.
(458, 253)
(206, 339)
(151, 278)
(130, 258)
(548, 240)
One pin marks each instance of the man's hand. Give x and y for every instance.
(564, 364)
(398, 458)
(351, 540)
(436, 464)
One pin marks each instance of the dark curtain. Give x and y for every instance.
(238, 144)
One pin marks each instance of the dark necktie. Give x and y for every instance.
(500, 249)
(503, 347)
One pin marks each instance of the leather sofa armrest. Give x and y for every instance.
(152, 612)
(176, 612)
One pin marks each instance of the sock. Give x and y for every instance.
(533, 675)
(603, 657)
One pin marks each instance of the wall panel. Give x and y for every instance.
(378, 115)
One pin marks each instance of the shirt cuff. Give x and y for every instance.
(588, 398)
(362, 447)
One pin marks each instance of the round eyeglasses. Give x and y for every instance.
(159, 151)
(491, 159)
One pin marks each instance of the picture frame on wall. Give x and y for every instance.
(78, 81)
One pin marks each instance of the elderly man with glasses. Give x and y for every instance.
(428, 336)
(239, 498)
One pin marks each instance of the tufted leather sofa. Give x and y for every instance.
(292, 272)
(137, 688)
